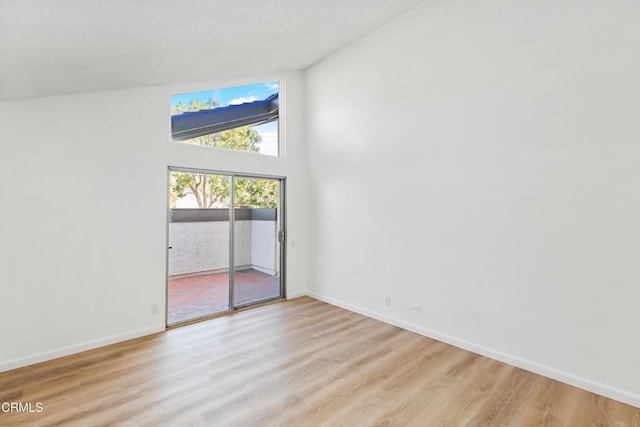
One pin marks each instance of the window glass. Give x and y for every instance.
(242, 118)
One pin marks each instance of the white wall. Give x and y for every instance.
(198, 247)
(264, 244)
(76, 269)
(509, 132)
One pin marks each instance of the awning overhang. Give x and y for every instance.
(194, 124)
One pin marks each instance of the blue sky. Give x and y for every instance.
(231, 95)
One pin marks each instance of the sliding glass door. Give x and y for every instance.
(225, 243)
(256, 272)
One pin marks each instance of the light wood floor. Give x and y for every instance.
(299, 363)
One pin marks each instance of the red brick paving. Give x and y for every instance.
(197, 296)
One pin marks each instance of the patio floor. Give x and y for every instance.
(197, 296)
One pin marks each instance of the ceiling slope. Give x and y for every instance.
(50, 47)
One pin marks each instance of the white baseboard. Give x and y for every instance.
(265, 270)
(296, 294)
(546, 371)
(76, 348)
(565, 377)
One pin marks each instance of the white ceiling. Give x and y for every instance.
(50, 47)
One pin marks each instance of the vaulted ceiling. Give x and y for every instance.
(50, 47)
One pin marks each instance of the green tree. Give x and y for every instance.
(256, 193)
(194, 105)
(213, 190)
(208, 190)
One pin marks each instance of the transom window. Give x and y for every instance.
(242, 118)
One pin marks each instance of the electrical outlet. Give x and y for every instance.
(387, 301)
(154, 309)
(415, 308)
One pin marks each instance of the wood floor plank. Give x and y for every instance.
(297, 363)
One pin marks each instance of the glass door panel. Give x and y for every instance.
(199, 246)
(257, 221)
